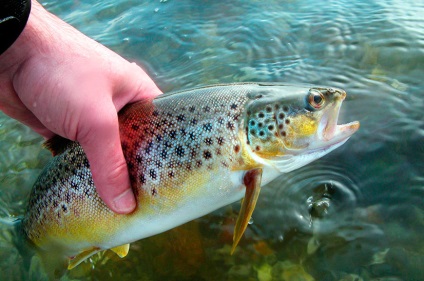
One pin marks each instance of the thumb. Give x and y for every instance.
(102, 146)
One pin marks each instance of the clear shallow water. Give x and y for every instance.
(356, 213)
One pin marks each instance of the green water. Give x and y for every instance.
(356, 214)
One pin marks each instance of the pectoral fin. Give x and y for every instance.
(252, 181)
(74, 261)
(121, 251)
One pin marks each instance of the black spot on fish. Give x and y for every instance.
(68, 198)
(173, 134)
(192, 136)
(261, 115)
(164, 154)
(154, 191)
(191, 108)
(198, 163)
(220, 120)
(271, 127)
(233, 106)
(64, 208)
(181, 117)
(207, 127)
(153, 174)
(171, 174)
(193, 153)
(230, 125)
(285, 108)
(180, 151)
(155, 113)
(168, 144)
(149, 147)
(281, 116)
(268, 109)
(261, 133)
(287, 121)
(193, 121)
(252, 123)
(220, 140)
(209, 141)
(206, 109)
(139, 159)
(135, 127)
(207, 154)
(158, 138)
(75, 186)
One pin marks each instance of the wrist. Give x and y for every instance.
(38, 39)
(19, 50)
(13, 17)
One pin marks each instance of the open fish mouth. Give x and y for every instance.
(342, 133)
(330, 133)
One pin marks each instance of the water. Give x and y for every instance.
(355, 214)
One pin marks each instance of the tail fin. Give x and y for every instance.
(14, 255)
(32, 263)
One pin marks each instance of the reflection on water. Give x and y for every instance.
(356, 214)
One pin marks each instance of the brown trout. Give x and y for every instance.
(188, 153)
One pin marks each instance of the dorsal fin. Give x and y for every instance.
(57, 144)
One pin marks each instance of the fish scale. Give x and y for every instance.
(182, 133)
(188, 154)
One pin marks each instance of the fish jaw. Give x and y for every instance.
(329, 133)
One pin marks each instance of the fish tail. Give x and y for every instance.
(37, 265)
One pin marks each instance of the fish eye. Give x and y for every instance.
(316, 99)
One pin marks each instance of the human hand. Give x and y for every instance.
(58, 81)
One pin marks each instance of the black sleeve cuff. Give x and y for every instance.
(13, 18)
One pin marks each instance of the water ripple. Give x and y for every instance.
(320, 190)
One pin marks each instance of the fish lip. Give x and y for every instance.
(344, 131)
(339, 135)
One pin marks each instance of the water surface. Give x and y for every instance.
(356, 214)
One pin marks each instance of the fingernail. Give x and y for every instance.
(125, 202)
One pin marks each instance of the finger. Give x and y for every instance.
(133, 84)
(102, 146)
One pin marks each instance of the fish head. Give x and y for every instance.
(288, 127)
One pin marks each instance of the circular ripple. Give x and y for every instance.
(298, 199)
